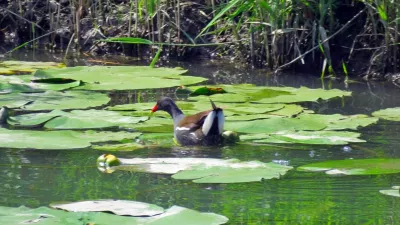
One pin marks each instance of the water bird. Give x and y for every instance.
(203, 128)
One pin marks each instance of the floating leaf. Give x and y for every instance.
(255, 108)
(392, 114)
(118, 207)
(341, 122)
(303, 94)
(313, 137)
(31, 139)
(23, 67)
(120, 77)
(229, 97)
(175, 215)
(206, 170)
(50, 100)
(273, 125)
(77, 119)
(355, 166)
(208, 91)
(33, 119)
(180, 216)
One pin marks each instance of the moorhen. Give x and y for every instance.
(203, 128)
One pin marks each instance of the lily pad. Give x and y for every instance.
(175, 215)
(255, 108)
(50, 100)
(341, 122)
(118, 207)
(274, 125)
(312, 137)
(355, 166)
(77, 119)
(205, 170)
(31, 139)
(23, 67)
(392, 114)
(120, 77)
(303, 94)
(395, 191)
(208, 91)
(22, 83)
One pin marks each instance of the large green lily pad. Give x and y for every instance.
(392, 114)
(274, 125)
(22, 83)
(45, 216)
(308, 137)
(118, 207)
(120, 77)
(31, 139)
(203, 170)
(23, 67)
(250, 93)
(50, 100)
(355, 166)
(341, 122)
(303, 94)
(77, 119)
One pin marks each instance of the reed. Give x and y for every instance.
(273, 33)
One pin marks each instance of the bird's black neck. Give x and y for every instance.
(176, 114)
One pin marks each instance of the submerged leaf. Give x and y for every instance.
(355, 166)
(119, 147)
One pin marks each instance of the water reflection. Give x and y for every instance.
(35, 178)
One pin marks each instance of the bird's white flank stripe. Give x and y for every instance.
(182, 128)
(208, 122)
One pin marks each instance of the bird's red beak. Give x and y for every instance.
(154, 109)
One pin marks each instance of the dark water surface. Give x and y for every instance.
(36, 178)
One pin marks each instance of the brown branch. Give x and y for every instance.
(317, 46)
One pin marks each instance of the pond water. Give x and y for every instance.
(37, 177)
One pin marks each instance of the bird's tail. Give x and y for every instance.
(214, 122)
(213, 105)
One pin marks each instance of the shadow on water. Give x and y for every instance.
(35, 178)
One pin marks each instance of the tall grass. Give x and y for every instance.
(272, 33)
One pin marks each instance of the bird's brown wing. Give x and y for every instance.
(195, 121)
